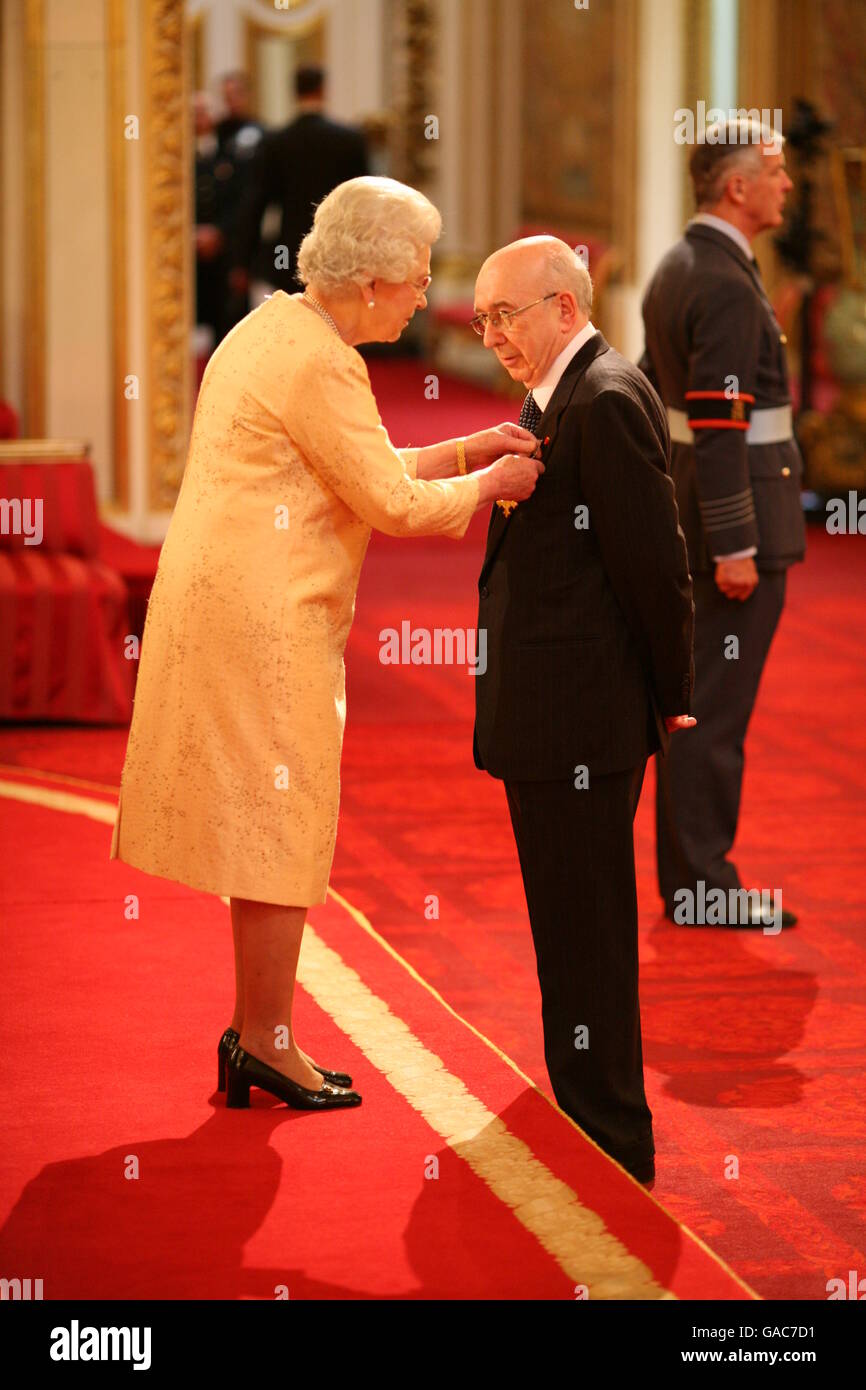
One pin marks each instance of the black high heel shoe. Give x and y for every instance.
(244, 1070)
(229, 1041)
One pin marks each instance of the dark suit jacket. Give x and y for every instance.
(589, 631)
(707, 318)
(296, 168)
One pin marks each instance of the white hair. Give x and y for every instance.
(368, 228)
(566, 271)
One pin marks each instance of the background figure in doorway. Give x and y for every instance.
(212, 213)
(238, 137)
(295, 168)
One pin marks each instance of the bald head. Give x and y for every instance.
(542, 264)
(543, 276)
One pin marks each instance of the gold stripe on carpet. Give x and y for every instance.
(60, 801)
(366, 925)
(572, 1234)
(60, 777)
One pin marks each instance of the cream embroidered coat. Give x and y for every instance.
(231, 782)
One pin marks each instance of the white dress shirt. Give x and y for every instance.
(549, 382)
(708, 220)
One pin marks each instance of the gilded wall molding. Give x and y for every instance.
(117, 153)
(167, 152)
(413, 81)
(34, 195)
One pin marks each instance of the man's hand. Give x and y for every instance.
(488, 445)
(679, 721)
(737, 579)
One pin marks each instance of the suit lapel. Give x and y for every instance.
(547, 428)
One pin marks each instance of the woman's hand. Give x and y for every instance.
(487, 445)
(512, 477)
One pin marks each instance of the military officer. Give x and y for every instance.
(716, 355)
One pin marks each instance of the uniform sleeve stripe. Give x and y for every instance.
(731, 515)
(719, 396)
(718, 424)
(732, 507)
(733, 498)
(724, 523)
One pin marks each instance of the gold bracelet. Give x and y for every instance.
(461, 456)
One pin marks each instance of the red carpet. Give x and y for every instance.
(124, 1178)
(754, 1046)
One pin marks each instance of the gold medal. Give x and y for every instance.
(508, 507)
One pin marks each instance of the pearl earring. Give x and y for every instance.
(371, 303)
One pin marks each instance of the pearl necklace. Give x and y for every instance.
(314, 304)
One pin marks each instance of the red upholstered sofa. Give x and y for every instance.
(64, 614)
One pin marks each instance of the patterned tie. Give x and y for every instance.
(530, 415)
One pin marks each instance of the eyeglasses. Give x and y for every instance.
(420, 285)
(504, 316)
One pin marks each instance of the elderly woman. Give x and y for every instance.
(231, 781)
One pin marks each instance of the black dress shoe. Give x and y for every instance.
(225, 1047)
(244, 1070)
(229, 1041)
(757, 918)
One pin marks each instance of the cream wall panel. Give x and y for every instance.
(77, 245)
(224, 38)
(659, 165)
(354, 44)
(136, 281)
(12, 297)
(355, 57)
(449, 108)
(79, 22)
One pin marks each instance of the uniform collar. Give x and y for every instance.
(708, 219)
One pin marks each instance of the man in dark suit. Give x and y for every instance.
(212, 220)
(586, 600)
(237, 132)
(221, 182)
(716, 354)
(295, 168)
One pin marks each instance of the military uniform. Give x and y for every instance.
(716, 355)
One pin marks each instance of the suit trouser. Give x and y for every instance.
(699, 782)
(576, 850)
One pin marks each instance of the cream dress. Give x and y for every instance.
(231, 782)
